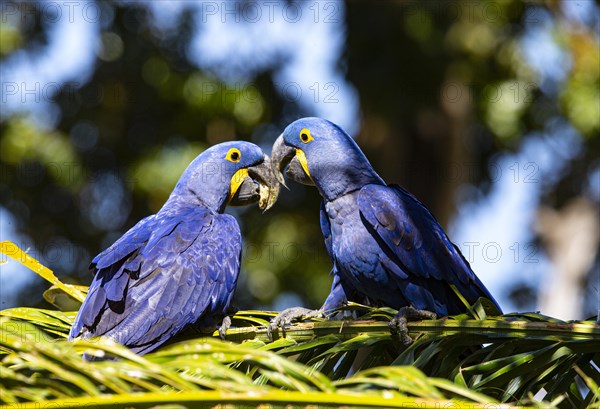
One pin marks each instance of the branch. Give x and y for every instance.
(491, 328)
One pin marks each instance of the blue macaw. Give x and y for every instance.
(178, 267)
(387, 248)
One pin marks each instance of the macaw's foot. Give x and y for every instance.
(405, 314)
(224, 327)
(286, 317)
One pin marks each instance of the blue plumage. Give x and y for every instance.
(178, 267)
(387, 248)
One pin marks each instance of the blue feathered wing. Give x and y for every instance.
(416, 250)
(169, 271)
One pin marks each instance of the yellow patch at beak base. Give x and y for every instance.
(236, 181)
(303, 162)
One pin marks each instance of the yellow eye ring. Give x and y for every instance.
(233, 155)
(305, 136)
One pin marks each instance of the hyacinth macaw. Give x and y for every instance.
(178, 267)
(387, 248)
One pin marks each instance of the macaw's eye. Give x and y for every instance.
(305, 136)
(233, 155)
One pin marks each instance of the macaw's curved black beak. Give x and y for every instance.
(283, 156)
(259, 185)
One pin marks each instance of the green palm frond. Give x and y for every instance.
(474, 358)
(11, 250)
(38, 368)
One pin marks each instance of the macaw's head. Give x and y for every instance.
(318, 152)
(232, 173)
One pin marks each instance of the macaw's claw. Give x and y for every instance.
(405, 314)
(224, 327)
(287, 316)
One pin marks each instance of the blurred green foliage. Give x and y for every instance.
(126, 133)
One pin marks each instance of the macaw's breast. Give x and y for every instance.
(358, 255)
